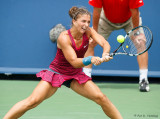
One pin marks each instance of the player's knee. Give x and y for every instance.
(100, 98)
(32, 102)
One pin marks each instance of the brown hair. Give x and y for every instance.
(74, 12)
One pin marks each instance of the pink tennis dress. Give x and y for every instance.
(61, 70)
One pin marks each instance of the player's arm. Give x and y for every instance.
(64, 44)
(102, 42)
(96, 16)
(135, 17)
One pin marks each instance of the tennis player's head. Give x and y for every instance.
(80, 18)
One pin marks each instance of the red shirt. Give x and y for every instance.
(117, 11)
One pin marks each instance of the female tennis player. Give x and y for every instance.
(66, 68)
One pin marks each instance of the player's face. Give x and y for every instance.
(82, 23)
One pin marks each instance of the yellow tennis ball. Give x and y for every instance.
(127, 46)
(120, 38)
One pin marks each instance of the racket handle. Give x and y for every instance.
(102, 58)
(106, 56)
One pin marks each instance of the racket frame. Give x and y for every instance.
(121, 45)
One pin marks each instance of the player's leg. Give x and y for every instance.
(43, 91)
(142, 62)
(92, 92)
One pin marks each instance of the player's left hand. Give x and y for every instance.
(106, 57)
(96, 60)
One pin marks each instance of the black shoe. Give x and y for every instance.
(144, 86)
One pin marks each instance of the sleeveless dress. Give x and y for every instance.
(61, 70)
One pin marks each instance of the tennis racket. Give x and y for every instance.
(137, 41)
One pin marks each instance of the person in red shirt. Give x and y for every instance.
(66, 68)
(110, 15)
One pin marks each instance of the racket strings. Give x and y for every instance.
(138, 41)
(129, 46)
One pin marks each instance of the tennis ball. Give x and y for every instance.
(120, 38)
(127, 46)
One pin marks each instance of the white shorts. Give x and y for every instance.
(106, 27)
